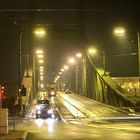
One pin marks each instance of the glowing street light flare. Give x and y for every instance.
(92, 51)
(40, 32)
(41, 67)
(41, 73)
(58, 76)
(79, 55)
(119, 31)
(40, 61)
(71, 60)
(60, 73)
(42, 85)
(41, 78)
(62, 70)
(66, 67)
(41, 70)
(40, 56)
(39, 51)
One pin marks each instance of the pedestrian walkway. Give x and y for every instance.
(14, 135)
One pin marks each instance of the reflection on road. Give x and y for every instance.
(49, 122)
(88, 120)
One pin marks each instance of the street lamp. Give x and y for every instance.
(40, 61)
(41, 67)
(79, 55)
(120, 31)
(60, 73)
(40, 56)
(58, 77)
(92, 51)
(66, 67)
(41, 70)
(39, 51)
(71, 60)
(62, 70)
(40, 32)
(41, 73)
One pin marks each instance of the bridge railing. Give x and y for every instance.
(93, 83)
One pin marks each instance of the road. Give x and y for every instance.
(81, 118)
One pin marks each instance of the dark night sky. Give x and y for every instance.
(88, 22)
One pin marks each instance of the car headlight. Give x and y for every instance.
(52, 93)
(53, 116)
(38, 112)
(50, 111)
(38, 107)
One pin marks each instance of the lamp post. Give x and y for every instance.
(104, 64)
(120, 31)
(34, 76)
(77, 77)
(40, 32)
(19, 58)
(71, 61)
(79, 56)
(19, 72)
(138, 37)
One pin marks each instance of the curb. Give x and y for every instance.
(24, 136)
(15, 136)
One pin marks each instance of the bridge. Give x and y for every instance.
(64, 70)
(87, 80)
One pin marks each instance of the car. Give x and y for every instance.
(52, 92)
(43, 108)
(67, 91)
(43, 111)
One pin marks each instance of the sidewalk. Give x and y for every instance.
(14, 135)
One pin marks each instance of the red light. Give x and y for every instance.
(1, 93)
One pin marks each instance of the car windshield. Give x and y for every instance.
(42, 102)
(46, 106)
